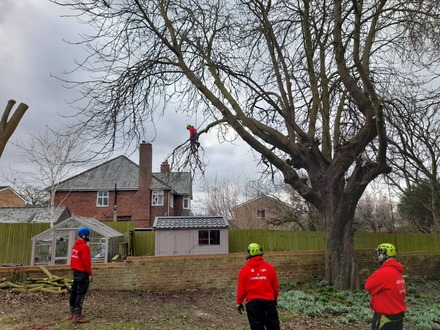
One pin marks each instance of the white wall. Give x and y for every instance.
(186, 242)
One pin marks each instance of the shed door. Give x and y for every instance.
(183, 242)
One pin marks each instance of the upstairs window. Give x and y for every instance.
(261, 213)
(102, 198)
(157, 198)
(186, 202)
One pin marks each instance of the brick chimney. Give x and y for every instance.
(141, 208)
(165, 167)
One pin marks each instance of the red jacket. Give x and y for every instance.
(192, 131)
(257, 280)
(81, 259)
(387, 289)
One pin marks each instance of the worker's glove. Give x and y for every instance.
(240, 308)
(90, 279)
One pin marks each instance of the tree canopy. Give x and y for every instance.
(303, 83)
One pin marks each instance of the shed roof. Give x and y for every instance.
(32, 214)
(190, 222)
(75, 222)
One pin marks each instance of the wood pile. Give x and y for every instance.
(51, 284)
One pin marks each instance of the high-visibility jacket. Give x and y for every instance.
(81, 259)
(387, 288)
(257, 280)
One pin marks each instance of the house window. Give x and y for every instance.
(261, 213)
(102, 198)
(209, 237)
(157, 199)
(171, 199)
(186, 202)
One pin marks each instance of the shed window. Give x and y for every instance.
(102, 198)
(209, 237)
(261, 213)
(157, 198)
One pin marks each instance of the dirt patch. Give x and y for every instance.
(192, 310)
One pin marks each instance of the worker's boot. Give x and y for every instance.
(78, 317)
(70, 317)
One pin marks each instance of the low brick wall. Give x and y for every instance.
(220, 271)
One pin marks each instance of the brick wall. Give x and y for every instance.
(220, 271)
(10, 199)
(84, 204)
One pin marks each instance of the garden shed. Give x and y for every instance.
(54, 245)
(191, 235)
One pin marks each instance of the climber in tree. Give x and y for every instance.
(193, 136)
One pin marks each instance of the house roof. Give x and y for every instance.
(190, 222)
(75, 222)
(263, 197)
(124, 173)
(32, 214)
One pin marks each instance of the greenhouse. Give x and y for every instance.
(54, 246)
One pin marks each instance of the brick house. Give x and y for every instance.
(9, 198)
(262, 212)
(120, 190)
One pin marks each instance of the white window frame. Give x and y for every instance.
(157, 198)
(186, 204)
(102, 198)
(170, 199)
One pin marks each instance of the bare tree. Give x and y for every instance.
(376, 213)
(302, 83)
(415, 148)
(56, 156)
(9, 123)
(221, 196)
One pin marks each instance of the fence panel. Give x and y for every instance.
(16, 241)
(16, 244)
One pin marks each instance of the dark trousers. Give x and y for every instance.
(78, 291)
(387, 322)
(262, 315)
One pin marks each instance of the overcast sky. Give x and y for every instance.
(32, 50)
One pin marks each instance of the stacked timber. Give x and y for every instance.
(51, 284)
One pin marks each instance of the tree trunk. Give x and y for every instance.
(340, 263)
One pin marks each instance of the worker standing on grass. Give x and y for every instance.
(258, 286)
(81, 264)
(387, 290)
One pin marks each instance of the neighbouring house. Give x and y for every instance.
(10, 198)
(54, 245)
(191, 235)
(120, 190)
(33, 214)
(262, 212)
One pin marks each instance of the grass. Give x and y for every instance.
(317, 299)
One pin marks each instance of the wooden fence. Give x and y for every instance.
(16, 244)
